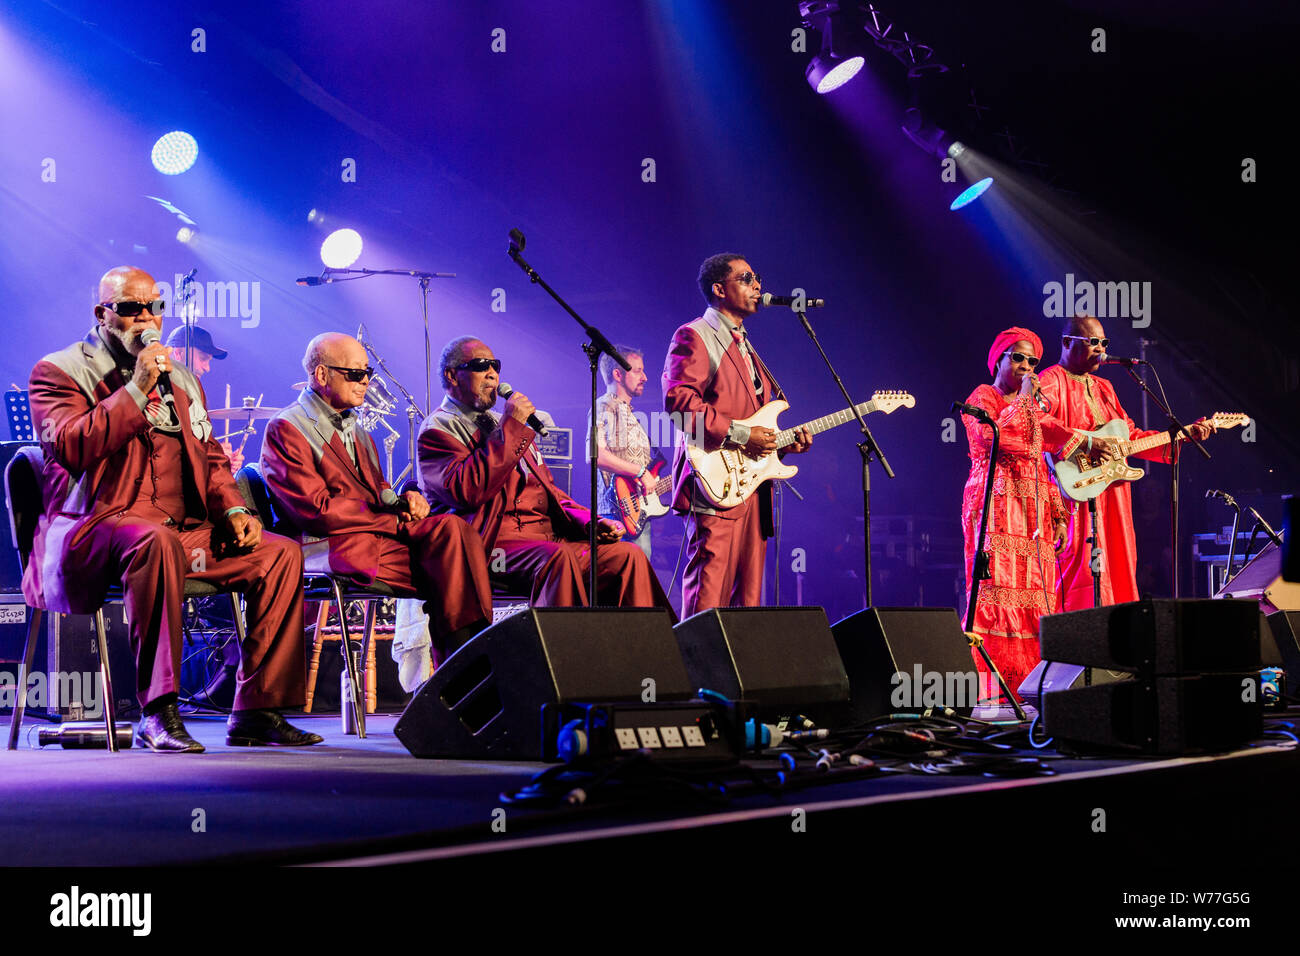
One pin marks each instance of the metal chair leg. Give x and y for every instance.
(358, 700)
(29, 655)
(106, 682)
(366, 674)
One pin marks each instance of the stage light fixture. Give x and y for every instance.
(174, 153)
(341, 248)
(840, 59)
(185, 234)
(971, 193)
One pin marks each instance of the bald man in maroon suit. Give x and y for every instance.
(324, 475)
(712, 377)
(483, 465)
(138, 493)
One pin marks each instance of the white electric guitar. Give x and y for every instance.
(1083, 475)
(728, 476)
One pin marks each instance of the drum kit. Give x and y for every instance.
(380, 405)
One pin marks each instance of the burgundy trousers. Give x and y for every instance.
(724, 561)
(554, 573)
(154, 561)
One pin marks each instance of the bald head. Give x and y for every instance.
(326, 354)
(127, 284)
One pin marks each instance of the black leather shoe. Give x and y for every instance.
(163, 732)
(266, 728)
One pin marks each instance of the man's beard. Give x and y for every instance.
(131, 342)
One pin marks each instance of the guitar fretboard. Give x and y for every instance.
(818, 425)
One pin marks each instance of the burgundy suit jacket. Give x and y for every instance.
(464, 474)
(320, 492)
(88, 424)
(706, 385)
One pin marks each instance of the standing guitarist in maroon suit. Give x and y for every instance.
(323, 473)
(137, 493)
(712, 377)
(483, 466)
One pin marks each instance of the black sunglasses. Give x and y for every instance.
(747, 278)
(1022, 357)
(353, 374)
(480, 365)
(1092, 342)
(130, 309)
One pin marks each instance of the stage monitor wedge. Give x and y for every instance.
(782, 658)
(485, 700)
(905, 659)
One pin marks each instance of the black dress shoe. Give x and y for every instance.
(266, 728)
(163, 732)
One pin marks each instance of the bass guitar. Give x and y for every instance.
(635, 507)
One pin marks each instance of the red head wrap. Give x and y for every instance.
(1009, 337)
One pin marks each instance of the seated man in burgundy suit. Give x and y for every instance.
(712, 378)
(482, 465)
(323, 473)
(138, 493)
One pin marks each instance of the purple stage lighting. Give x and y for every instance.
(827, 73)
(184, 234)
(174, 153)
(341, 248)
(971, 193)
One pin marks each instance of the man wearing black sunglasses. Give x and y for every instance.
(1081, 400)
(139, 495)
(482, 465)
(712, 378)
(323, 473)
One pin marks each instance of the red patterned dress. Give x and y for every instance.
(1024, 510)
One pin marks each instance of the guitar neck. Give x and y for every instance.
(1151, 441)
(818, 425)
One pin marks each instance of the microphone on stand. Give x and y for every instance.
(505, 390)
(1116, 360)
(788, 300)
(321, 279)
(974, 411)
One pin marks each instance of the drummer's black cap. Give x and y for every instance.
(200, 339)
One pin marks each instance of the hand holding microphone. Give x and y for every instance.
(520, 408)
(152, 365)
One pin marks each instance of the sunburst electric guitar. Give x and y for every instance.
(1083, 477)
(727, 476)
(635, 507)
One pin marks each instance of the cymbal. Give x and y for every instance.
(220, 414)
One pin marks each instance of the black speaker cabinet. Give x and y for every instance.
(1157, 636)
(782, 659)
(1158, 715)
(485, 701)
(1049, 676)
(1285, 627)
(896, 657)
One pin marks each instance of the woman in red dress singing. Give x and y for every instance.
(1027, 520)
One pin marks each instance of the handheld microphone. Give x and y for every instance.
(391, 499)
(149, 336)
(1116, 360)
(804, 302)
(505, 390)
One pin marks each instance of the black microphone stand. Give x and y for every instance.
(424, 278)
(596, 344)
(980, 559)
(1178, 427)
(867, 447)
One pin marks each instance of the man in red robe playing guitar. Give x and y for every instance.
(1080, 400)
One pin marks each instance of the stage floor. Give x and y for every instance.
(370, 802)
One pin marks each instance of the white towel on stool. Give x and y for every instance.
(412, 648)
